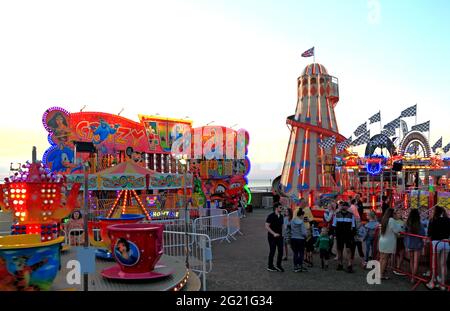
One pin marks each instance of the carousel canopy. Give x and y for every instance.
(130, 175)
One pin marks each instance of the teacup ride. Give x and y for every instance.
(27, 263)
(102, 241)
(137, 249)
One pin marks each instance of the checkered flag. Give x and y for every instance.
(379, 140)
(363, 139)
(361, 129)
(390, 131)
(375, 118)
(447, 148)
(404, 127)
(437, 144)
(422, 127)
(344, 145)
(409, 112)
(394, 124)
(327, 143)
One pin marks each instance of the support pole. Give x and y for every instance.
(85, 218)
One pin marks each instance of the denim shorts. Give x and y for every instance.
(441, 246)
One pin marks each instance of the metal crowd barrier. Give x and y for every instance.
(422, 275)
(78, 240)
(199, 251)
(234, 224)
(441, 253)
(216, 227)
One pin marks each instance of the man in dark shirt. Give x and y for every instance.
(274, 227)
(384, 204)
(360, 205)
(344, 227)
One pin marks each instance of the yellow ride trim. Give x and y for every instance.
(26, 241)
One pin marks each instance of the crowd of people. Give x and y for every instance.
(346, 229)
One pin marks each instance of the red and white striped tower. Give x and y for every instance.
(314, 120)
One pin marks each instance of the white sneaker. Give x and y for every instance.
(430, 285)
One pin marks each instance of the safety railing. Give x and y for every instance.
(216, 227)
(75, 237)
(413, 258)
(174, 224)
(234, 224)
(199, 252)
(440, 260)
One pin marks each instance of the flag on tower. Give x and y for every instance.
(394, 124)
(375, 118)
(404, 127)
(308, 53)
(327, 143)
(363, 139)
(344, 145)
(437, 144)
(390, 131)
(361, 129)
(422, 127)
(379, 140)
(447, 148)
(409, 112)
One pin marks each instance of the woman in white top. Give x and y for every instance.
(388, 239)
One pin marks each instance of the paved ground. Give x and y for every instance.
(241, 265)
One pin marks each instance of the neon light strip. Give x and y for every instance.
(249, 194)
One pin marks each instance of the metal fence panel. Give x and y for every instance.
(216, 227)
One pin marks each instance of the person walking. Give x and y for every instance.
(298, 236)
(274, 227)
(344, 226)
(438, 230)
(413, 243)
(388, 239)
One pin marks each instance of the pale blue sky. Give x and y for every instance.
(228, 61)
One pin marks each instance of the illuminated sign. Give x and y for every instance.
(374, 164)
(164, 213)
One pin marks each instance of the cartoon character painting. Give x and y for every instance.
(23, 273)
(59, 126)
(61, 160)
(102, 132)
(6, 278)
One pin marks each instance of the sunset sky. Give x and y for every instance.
(229, 61)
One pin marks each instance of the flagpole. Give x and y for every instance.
(380, 120)
(416, 114)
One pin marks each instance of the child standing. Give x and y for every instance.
(323, 243)
(310, 241)
(369, 237)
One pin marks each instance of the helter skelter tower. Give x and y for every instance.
(307, 165)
